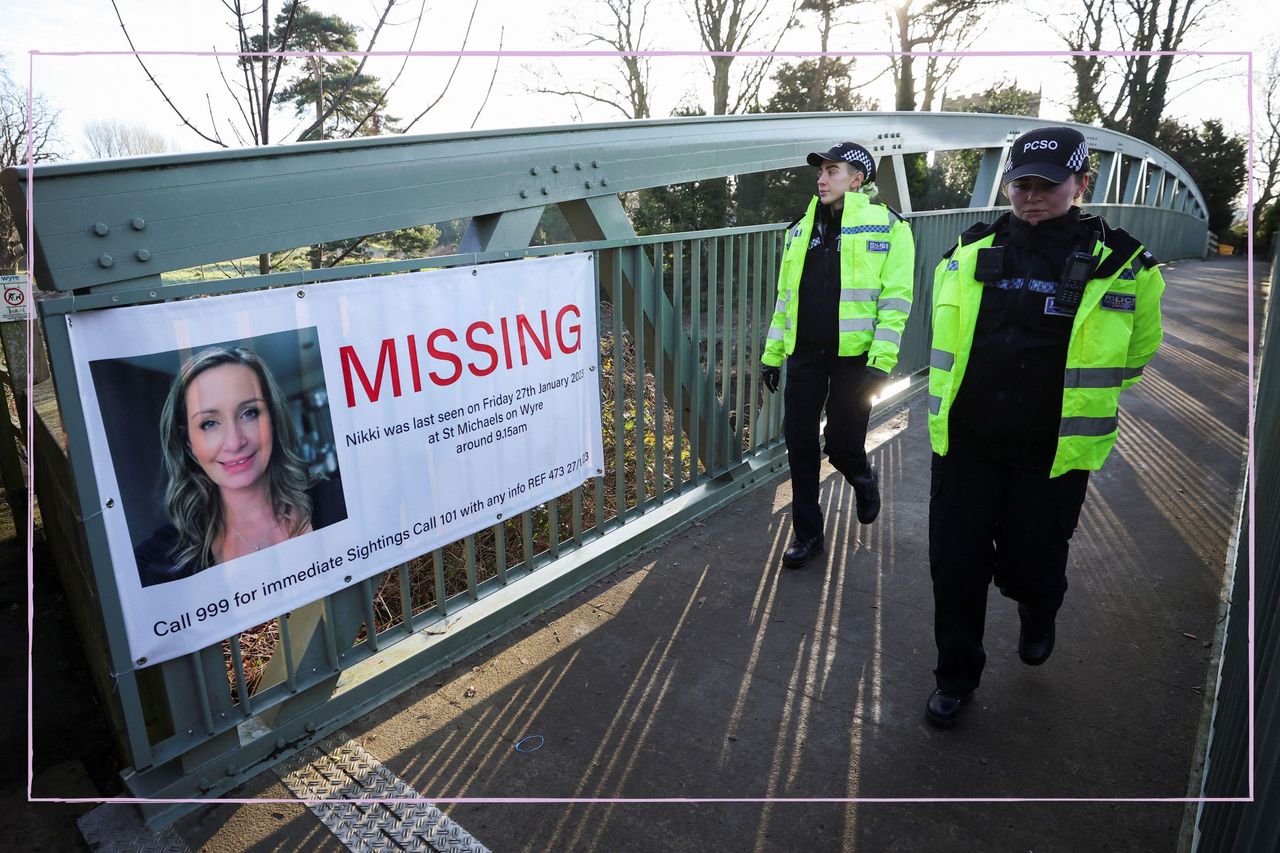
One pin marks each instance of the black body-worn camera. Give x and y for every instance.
(990, 265)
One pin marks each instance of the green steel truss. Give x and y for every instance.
(684, 321)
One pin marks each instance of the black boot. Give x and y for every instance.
(866, 488)
(800, 550)
(943, 709)
(1035, 636)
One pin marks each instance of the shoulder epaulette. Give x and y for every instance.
(892, 211)
(1123, 246)
(792, 223)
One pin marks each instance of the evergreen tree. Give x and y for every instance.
(330, 83)
(1213, 159)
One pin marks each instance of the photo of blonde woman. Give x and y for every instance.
(242, 466)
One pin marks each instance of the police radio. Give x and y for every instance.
(1075, 275)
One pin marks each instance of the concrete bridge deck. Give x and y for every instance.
(704, 670)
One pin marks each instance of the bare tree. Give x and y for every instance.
(45, 145)
(1128, 92)
(621, 29)
(256, 87)
(932, 25)
(109, 137)
(726, 27)
(826, 66)
(1266, 164)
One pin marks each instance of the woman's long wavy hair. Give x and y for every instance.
(191, 499)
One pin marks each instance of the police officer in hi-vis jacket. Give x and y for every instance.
(1040, 320)
(844, 293)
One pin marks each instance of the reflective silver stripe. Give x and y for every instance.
(788, 322)
(780, 307)
(935, 404)
(888, 335)
(775, 334)
(1132, 372)
(1093, 377)
(941, 359)
(903, 305)
(1087, 426)
(850, 294)
(862, 324)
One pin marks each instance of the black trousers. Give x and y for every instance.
(818, 378)
(994, 521)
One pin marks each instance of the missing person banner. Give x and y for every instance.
(255, 452)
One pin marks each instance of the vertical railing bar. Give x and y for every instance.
(437, 560)
(619, 387)
(597, 483)
(406, 604)
(758, 423)
(202, 687)
(577, 514)
(598, 479)
(660, 356)
(526, 538)
(638, 282)
(677, 364)
(286, 645)
(371, 625)
(696, 379)
(469, 552)
(553, 525)
(713, 338)
(330, 637)
(740, 392)
(242, 683)
(726, 351)
(500, 551)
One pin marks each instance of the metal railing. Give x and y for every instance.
(687, 425)
(1240, 762)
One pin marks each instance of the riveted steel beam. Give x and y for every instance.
(108, 221)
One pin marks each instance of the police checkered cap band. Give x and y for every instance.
(849, 152)
(1052, 153)
(1078, 157)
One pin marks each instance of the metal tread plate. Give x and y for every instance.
(118, 828)
(330, 774)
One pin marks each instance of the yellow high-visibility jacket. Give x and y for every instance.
(877, 269)
(1115, 332)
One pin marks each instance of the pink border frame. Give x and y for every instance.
(30, 324)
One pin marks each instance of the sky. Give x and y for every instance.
(88, 87)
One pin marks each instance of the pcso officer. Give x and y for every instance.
(1040, 320)
(844, 293)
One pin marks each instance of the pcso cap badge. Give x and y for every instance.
(850, 152)
(1052, 153)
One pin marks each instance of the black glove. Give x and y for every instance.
(770, 376)
(873, 381)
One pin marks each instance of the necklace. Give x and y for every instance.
(242, 539)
